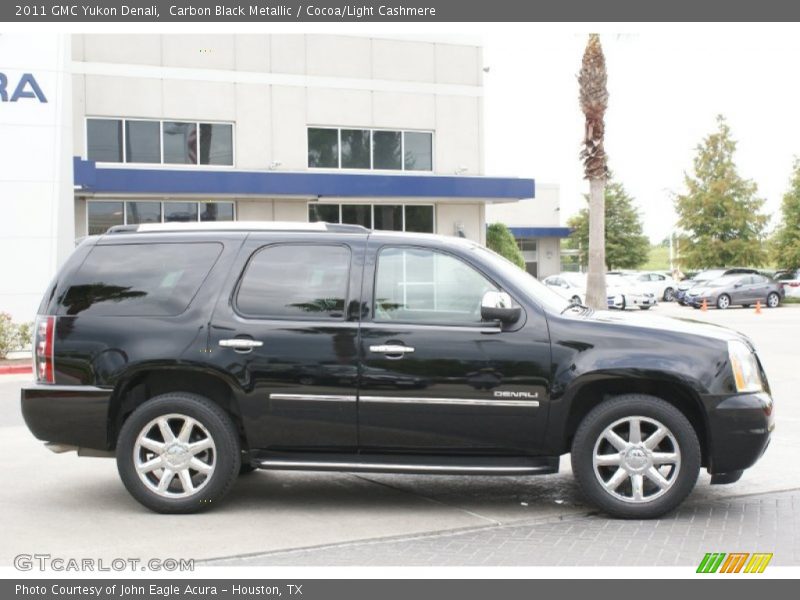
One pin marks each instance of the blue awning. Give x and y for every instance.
(540, 232)
(116, 180)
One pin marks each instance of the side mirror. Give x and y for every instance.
(497, 306)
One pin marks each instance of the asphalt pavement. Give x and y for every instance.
(77, 507)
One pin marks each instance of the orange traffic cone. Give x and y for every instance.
(758, 307)
(705, 305)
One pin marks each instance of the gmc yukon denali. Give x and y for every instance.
(193, 353)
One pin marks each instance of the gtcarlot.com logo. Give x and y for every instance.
(45, 562)
(735, 562)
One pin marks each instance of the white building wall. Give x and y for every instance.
(542, 211)
(274, 86)
(36, 175)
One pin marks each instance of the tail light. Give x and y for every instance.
(43, 344)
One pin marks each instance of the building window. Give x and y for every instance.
(180, 143)
(323, 148)
(180, 212)
(387, 217)
(418, 151)
(102, 214)
(387, 150)
(142, 141)
(378, 149)
(216, 144)
(104, 140)
(141, 212)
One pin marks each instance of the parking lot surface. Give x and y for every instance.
(77, 507)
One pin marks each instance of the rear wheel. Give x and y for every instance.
(644, 308)
(669, 294)
(178, 453)
(723, 302)
(636, 456)
(773, 300)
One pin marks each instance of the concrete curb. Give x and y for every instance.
(16, 369)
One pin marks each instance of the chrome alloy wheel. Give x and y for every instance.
(174, 456)
(636, 459)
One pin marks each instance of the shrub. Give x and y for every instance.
(500, 239)
(14, 336)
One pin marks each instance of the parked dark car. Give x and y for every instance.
(704, 276)
(732, 290)
(192, 353)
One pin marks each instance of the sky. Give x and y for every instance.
(666, 86)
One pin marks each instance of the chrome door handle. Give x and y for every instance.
(391, 349)
(241, 344)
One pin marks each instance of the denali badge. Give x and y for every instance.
(503, 394)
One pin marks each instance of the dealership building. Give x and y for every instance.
(103, 130)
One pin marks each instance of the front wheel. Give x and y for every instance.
(773, 300)
(178, 453)
(723, 302)
(636, 456)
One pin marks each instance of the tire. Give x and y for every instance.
(141, 437)
(773, 300)
(680, 443)
(745, 306)
(624, 304)
(575, 300)
(645, 307)
(669, 294)
(723, 302)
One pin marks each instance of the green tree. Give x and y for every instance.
(500, 239)
(626, 246)
(720, 213)
(786, 241)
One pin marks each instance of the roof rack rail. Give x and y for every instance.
(237, 226)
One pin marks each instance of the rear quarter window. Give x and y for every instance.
(139, 279)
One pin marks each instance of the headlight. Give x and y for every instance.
(745, 367)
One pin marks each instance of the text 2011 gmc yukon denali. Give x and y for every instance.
(194, 353)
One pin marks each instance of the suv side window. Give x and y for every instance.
(295, 281)
(140, 279)
(418, 285)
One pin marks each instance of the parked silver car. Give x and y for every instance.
(744, 290)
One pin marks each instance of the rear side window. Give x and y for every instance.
(293, 281)
(140, 279)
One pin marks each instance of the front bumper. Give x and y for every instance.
(739, 430)
(73, 415)
(640, 300)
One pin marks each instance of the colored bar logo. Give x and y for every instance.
(735, 562)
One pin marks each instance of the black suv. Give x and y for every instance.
(195, 353)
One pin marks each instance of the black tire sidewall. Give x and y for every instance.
(219, 426)
(626, 406)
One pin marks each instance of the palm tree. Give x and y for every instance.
(594, 101)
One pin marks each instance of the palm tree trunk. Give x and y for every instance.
(596, 275)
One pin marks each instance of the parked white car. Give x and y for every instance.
(571, 286)
(632, 291)
(662, 286)
(790, 282)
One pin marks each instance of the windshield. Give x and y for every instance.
(524, 280)
(709, 275)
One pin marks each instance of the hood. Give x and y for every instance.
(668, 324)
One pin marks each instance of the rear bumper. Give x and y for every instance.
(72, 415)
(740, 427)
